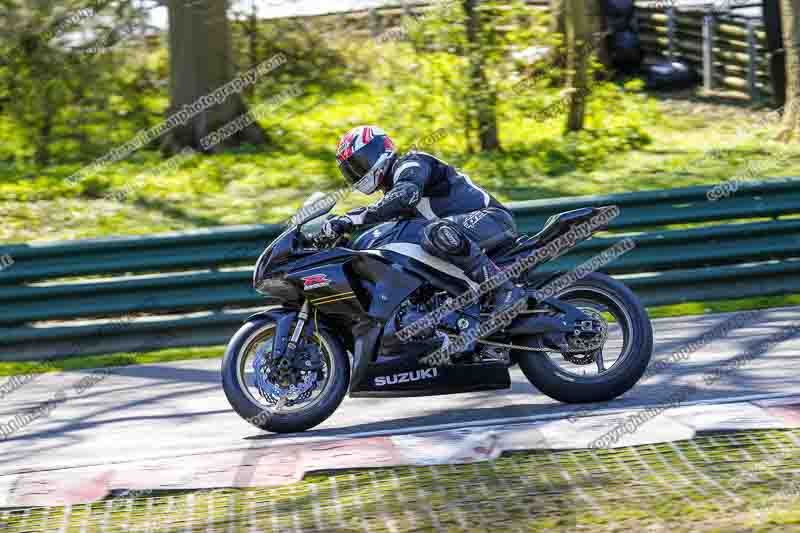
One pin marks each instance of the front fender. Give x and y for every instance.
(288, 316)
(283, 318)
(271, 313)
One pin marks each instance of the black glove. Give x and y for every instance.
(336, 226)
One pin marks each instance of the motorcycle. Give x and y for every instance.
(338, 310)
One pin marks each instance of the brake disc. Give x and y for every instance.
(272, 393)
(580, 358)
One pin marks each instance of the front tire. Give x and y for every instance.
(245, 402)
(564, 386)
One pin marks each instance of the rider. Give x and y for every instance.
(466, 221)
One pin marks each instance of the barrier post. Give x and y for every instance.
(708, 51)
(374, 22)
(672, 49)
(752, 60)
(777, 58)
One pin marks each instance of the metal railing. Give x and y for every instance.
(729, 48)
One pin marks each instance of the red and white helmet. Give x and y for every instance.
(364, 154)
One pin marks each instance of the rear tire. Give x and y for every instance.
(256, 413)
(555, 382)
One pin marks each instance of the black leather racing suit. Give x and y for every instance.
(466, 221)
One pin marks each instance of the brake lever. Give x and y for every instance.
(320, 241)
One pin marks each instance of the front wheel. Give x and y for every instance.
(275, 406)
(594, 370)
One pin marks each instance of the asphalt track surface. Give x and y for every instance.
(178, 409)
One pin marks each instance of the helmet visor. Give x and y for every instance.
(353, 169)
(362, 161)
(367, 184)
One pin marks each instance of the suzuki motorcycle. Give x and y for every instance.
(335, 309)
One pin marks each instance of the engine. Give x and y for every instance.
(420, 305)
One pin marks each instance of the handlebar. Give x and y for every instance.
(321, 241)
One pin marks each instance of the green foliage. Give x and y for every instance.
(59, 98)
(91, 102)
(143, 194)
(311, 58)
(414, 84)
(471, 69)
(8, 368)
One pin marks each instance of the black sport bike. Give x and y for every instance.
(335, 311)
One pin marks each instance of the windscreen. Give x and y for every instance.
(315, 206)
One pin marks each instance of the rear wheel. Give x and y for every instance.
(270, 405)
(594, 371)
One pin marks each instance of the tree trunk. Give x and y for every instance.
(557, 16)
(557, 26)
(200, 62)
(482, 97)
(790, 21)
(598, 30)
(252, 40)
(597, 26)
(578, 52)
(43, 140)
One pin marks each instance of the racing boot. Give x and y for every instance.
(506, 295)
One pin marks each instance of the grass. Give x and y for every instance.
(14, 368)
(723, 306)
(141, 196)
(721, 482)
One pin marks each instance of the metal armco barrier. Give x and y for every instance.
(193, 289)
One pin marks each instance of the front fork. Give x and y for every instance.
(287, 336)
